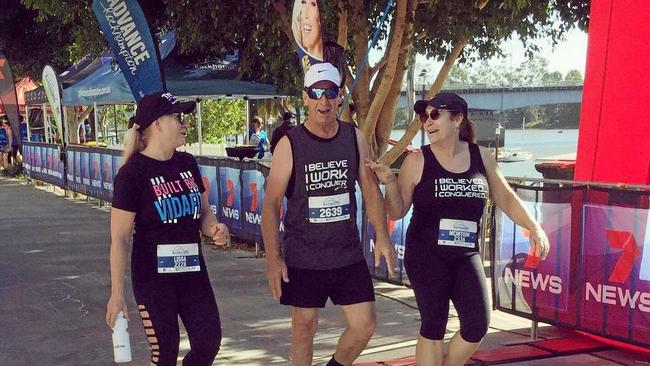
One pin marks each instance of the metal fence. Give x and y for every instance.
(596, 277)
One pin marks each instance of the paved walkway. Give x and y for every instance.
(54, 284)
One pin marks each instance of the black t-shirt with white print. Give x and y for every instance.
(166, 199)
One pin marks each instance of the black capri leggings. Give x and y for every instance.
(436, 279)
(160, 303)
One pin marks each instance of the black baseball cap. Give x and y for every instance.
(154, 106)
(446, 101)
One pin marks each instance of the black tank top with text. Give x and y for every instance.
(320, 225)
(447, 206)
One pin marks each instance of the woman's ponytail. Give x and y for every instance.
(466, 130)
(132, 142)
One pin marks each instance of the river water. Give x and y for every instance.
(542, 143)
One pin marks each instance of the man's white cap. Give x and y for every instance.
(322, 72)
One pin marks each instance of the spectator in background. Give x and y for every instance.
(258, 137)
(9, 133)
(15, 144)
(23, 128)
(287, 124)
(88, 130)
(81, 133)
(5, 144)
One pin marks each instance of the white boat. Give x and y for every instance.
(509, 156)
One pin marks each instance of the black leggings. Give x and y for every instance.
(160, 303)
(436, 279)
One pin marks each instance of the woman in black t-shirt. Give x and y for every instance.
(159, 192)
(449, 182)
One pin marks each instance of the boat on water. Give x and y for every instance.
(509, 156)
(557, 167)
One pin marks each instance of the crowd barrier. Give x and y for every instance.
(43, 162)
(235, 188)
(596, 277)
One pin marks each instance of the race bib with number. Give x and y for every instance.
(329, 208)
(458, 233)
(178, 258)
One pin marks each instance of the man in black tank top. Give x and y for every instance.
(316, 166)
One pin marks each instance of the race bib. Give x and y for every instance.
(326, 209)
(178, 258)
(458, 233)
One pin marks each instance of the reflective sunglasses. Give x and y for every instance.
(434, 114)
(316, 93)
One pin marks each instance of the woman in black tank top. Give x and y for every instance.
(448, 182)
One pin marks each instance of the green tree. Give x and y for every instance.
(573, 75)
(458, 77)
(114, 120)
(219, 118)
(30, 41)
(552, 77)
(465, 30)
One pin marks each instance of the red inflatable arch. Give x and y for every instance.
(614, 138)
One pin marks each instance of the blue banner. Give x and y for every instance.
(209, 177)
(107, 176)
(77, 171)
(43, 162)
(49, 158)
(253, 195)
(71, 167)
(95, 175)
(127, 32)
(59, 169)
(117, 160)
(27, 159)
(525, 282)
(230, 197)
(85, 170)
(41, 159)
(397, 234)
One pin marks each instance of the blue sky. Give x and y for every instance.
(566, 55)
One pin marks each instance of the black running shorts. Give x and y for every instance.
(309, 288)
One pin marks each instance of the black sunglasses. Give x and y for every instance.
(434, 114)
(317, 93)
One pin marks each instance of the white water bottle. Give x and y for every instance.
(121, 342)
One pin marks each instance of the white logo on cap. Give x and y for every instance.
(169, 97)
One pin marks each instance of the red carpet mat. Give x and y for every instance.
(522, 352)
(572, 345)
(407, 361)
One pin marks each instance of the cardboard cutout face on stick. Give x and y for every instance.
(306, 28)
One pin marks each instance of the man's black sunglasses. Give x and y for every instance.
(317, 93)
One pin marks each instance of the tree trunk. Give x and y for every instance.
(359, 27)
(386, 118)
(342, 38)
(414, 127)
(396, 35)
